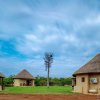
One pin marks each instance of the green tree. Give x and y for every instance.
(8, 81)
(40, 81)
(65, 81)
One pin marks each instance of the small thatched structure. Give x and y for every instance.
(1, 81)
(24, 78)
(87, 78)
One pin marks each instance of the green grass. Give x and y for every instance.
(39, 90)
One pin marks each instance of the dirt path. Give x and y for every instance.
(47, 97)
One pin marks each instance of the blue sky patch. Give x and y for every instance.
(29, 28)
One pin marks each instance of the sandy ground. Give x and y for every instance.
(48, 97)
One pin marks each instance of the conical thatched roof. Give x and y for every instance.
(1, 75)
(93, 66)
(24, 74)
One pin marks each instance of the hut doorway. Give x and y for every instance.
(29, 82)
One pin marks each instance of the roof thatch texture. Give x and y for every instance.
(24, 74)
(1, 75)
(93, 66)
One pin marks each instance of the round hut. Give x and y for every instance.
(87, 78)
(24, 78)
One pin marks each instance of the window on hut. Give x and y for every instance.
(83, 79)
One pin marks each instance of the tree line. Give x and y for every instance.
(42, 81)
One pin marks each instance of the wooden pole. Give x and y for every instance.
(2, 83)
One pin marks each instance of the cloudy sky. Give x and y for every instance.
(29, 28)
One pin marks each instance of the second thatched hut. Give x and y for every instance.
(87, 79)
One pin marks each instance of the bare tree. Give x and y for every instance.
(48, 59)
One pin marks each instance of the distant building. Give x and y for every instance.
(24, 78)
(87, 78)
(1, 81)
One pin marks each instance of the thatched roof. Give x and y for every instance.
(1, 75)
(24, 74)
(93, 66)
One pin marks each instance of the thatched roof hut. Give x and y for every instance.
(93, 66)
(1, 75)
(24, 74)
(24, 78)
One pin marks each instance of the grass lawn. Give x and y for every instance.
(39, 90)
